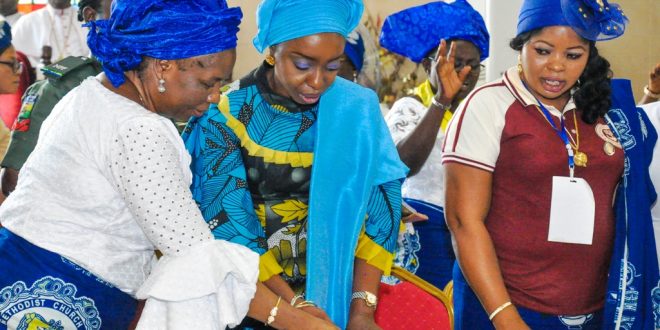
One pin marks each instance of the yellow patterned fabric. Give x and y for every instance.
(374, 254)
(295, 159)
(268, 266)
(426, 94)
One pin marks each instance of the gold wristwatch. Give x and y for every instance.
(369, 298)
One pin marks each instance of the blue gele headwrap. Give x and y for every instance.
(5, 35)
(594, 20)
(415, 31)
(283, 20)
(354, 49)
(161, 29)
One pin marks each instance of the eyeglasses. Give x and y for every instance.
(16, 66)
(458, 66)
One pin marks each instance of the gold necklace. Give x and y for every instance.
(580, 158)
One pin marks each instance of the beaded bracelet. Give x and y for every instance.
(273, 312)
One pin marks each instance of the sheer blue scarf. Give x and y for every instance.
(349, 123)
(633, 291)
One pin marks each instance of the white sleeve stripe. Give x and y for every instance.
(466, 161)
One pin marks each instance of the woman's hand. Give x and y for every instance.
(450, 80)
(362, 322)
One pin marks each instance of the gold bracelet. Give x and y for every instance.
(273, 312)
(498, 310)
(295, 299)
(305, 303)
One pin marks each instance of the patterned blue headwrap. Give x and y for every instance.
(415, 31)
(283, 20)
(354, 49)
(162, 29)
(594, 20)
(5, 35)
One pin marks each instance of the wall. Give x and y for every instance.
(634, 54)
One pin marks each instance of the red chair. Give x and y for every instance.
(413, 304)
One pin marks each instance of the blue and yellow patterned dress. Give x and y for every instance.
(252, 180)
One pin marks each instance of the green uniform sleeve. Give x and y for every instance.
(39, 100)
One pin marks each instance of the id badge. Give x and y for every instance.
(572, 211)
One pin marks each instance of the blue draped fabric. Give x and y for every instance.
(415, 31)
(283, 20)
(633, 291)
(164, 29)
(436, 255)
(342, 203)
(5, 35)
(40, 289)
(354, 50)
(592, 19)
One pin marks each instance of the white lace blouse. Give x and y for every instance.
(429, 183)
(107, 184)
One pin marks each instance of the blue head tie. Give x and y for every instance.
(283, 20)
(594, 20)
(354, 49)
(165, 30)
(415, 31)
(5, 35)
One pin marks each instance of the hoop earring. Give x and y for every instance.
(270, 60)
(161, 85)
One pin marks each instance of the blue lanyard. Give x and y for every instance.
(560, 131)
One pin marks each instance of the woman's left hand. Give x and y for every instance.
(450, 80)
(362, 322)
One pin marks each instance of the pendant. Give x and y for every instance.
(609, 149)
(580, 159)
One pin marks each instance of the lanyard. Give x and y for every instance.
(561, 132)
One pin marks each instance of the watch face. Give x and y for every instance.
(371, 299)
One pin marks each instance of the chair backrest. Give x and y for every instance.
(413, 304)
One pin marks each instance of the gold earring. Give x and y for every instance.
(270, 60)
(520, 69)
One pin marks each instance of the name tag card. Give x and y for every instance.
(572, 211)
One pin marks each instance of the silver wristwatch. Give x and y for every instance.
(369, 298)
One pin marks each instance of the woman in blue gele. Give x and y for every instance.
(547, 186)
(297, 164)
(450, 41)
